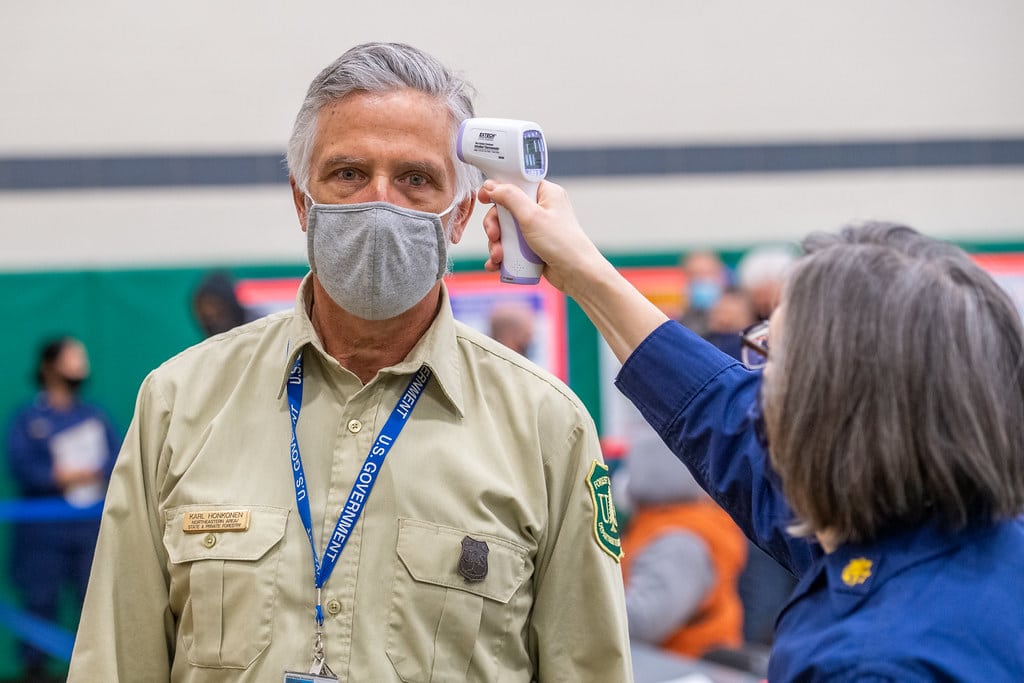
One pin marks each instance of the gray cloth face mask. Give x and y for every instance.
(375, 260)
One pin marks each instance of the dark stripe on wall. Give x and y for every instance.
(61, 173)
(787, 158)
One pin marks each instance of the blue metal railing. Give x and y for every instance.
(41, 634)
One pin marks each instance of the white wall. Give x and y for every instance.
(119, 77)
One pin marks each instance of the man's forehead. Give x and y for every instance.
(397, 102)
(399, 118)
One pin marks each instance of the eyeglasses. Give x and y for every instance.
(754, 345)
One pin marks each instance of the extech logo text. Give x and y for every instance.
(487, 136)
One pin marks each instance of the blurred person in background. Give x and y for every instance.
(761, 272)
(253, 527)
(215, 305)
(706, 278)
(682, 554)
(729, 316)
(512, 323)
(58, 446)
(877, 456)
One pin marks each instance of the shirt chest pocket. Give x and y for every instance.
(224, 582)
(443, 626)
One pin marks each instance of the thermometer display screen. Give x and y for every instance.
(533, 152)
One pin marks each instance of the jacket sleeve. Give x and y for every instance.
(29, 459)
(578, 628)
(705, 407)
(126, 632)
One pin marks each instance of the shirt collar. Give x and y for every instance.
(854, 571)
(437, 348)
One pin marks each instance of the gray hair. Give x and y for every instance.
(764, 264)
(897, 392)
(376, 68)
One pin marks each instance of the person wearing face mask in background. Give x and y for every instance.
(706, 280)
(58, 446)
(253, 526)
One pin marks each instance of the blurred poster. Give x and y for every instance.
(263, 296)
(665, 287)
(478, 299)
(1008, 270)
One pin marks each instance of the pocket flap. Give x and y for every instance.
(432, 552)
(265, 529)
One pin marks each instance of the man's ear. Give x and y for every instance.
(463, 212)
(299, 197)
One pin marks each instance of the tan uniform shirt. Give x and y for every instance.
(496, 449)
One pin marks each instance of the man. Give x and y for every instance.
(682, 553)
(706, 279)
(253, 527)
(512, 324)
(761, 273)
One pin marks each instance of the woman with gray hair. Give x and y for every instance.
(879, 455)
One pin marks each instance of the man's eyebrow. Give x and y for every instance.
(427, 167)
(342, 160)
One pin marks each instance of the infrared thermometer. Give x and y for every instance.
(509, 151)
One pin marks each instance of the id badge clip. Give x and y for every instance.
(319, 672)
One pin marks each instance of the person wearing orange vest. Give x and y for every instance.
(682, 555)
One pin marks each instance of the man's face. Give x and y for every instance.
(704, 267)
(392, 147)
(765, 297)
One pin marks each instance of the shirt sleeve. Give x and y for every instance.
(667, 583)
(703, 404)
(126, 633)
(29, 459)
(113, 442)
(578, 629)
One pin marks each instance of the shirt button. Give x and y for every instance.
(354, 426)
(333, 607)
(209, 540)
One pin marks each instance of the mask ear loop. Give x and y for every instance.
(455, 202)
(446, 231)
(451, 207)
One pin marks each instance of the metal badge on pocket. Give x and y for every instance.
(473, 562)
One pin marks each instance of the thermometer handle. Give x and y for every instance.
(519, 265)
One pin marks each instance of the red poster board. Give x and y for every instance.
(1008, 270)
(476, 295)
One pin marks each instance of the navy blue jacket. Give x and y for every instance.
(923, 605)
(28, 443)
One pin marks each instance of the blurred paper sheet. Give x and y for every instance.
(81, 448)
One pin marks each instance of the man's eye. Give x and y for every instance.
(348, 174)
(417, 179)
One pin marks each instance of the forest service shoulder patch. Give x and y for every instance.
(606, 529)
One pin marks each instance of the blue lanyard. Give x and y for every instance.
(364, 480)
